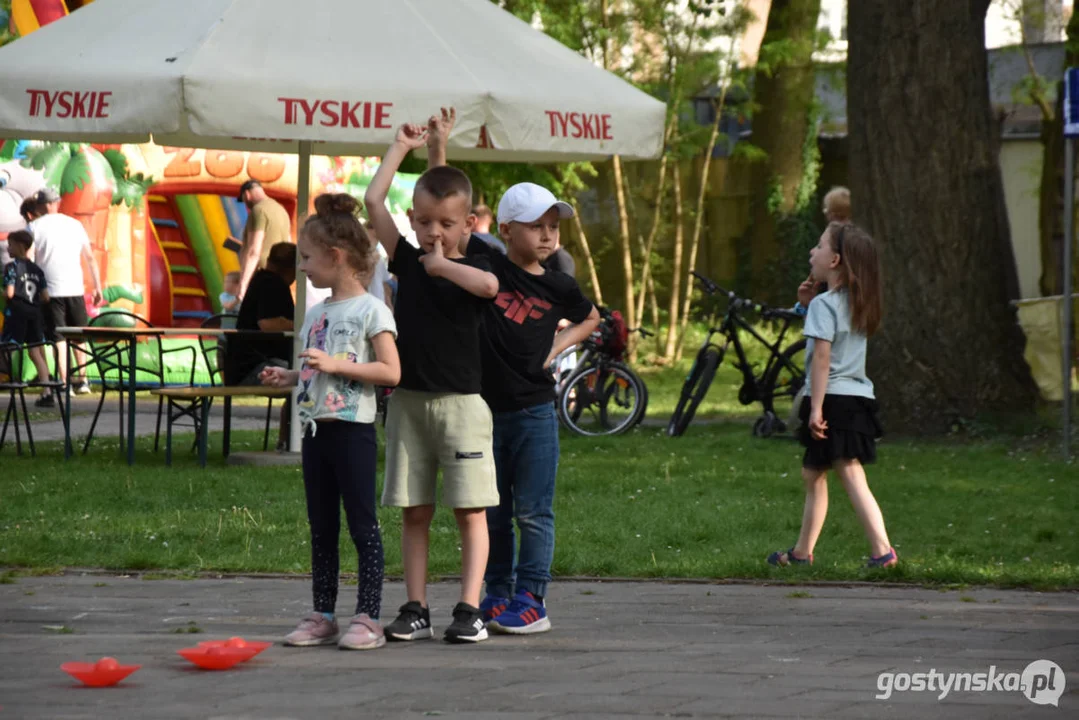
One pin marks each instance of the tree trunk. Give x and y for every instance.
(670, 347)
(624, 241)
(1051, 193)
(647, 286)
(924, 162)
(698, 218)
(783, 91)
(597, 292)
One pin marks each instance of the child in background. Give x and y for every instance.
(348, 350)
(840, 424)
(230, 300)
(26, 293)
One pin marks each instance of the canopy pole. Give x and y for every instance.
(303, 201)
(1066, 325)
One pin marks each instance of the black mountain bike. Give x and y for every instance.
(602, 395)
(774, 388)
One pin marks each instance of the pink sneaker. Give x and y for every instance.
(363, 634)
(314, 629)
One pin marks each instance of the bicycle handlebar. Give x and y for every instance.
(737, 303)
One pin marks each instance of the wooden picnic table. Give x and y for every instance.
(130, 335)
(203, 397)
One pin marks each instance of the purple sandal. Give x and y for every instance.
(887, 560)
(782, 558)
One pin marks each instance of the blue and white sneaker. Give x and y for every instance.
(493, 606)
(524, 616)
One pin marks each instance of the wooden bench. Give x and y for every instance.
(187, 401)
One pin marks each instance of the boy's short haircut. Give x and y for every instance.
(22, 238)
(482, 211)
(28, 209)
(443, 181)
(233, 276)
(837, 202)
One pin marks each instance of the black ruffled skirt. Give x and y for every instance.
(853, 431)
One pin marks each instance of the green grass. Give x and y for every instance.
(712, 504)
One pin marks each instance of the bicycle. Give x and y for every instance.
(602, 395)
(780, 381)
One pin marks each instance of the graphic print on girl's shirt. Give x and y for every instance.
(343, 330)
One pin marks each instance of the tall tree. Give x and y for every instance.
(783, 93)
(924, 163)
(1051, 194)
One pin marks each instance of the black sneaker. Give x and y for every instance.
(467, 626)
(45, 401)
(413, 623)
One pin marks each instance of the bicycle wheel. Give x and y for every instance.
(694, 389)
(620, 394)
(601, 400)
(785, 381)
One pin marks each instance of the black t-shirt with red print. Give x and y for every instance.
(519, 329)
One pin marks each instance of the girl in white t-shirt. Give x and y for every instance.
(349, 349)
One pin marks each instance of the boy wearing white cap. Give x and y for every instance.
(519, 343)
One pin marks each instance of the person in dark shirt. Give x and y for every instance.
(561, 261)
(26, 293)
(519, 343)
(267, 307)
(436, 418)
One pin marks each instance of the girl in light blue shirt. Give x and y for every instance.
(839, 415)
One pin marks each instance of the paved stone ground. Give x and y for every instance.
(618, 650)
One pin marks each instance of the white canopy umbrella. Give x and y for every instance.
(332, 77)
(343, 74)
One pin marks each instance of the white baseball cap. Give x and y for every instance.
(527, 202)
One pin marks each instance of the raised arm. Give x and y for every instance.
(409, 137)
(438, 135)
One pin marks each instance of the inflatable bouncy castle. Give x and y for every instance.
(164, 223)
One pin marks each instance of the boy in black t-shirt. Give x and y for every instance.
(27, 293)
(519, 343)
(436, 417)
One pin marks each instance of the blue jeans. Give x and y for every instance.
(526, 460)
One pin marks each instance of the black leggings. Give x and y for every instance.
(339, 465)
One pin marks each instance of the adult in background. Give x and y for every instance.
(267, 225)
(484, 219)
(60, 245)
(267, 307)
